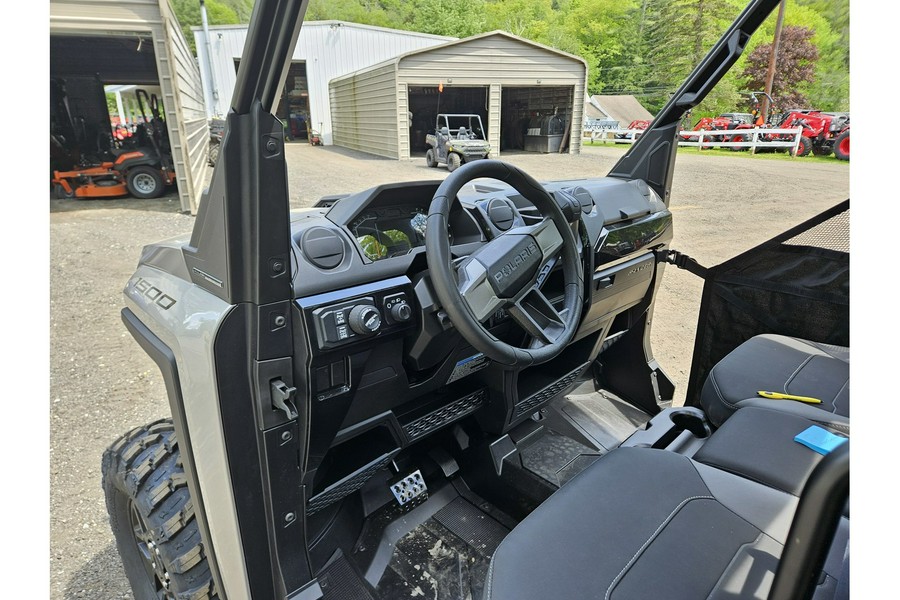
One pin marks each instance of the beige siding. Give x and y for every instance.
(104, 16)
(490, 59)
(364, 111)
(179, 76)
(577, 124)
(185, 112)
(493, 124)
(403, 120)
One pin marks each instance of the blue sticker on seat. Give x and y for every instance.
(820, 440)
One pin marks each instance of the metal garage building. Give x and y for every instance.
(325, 50)
(508, 80)
(138, 42)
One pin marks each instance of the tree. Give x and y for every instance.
(795, 66)
(676, 35)
(218, 12)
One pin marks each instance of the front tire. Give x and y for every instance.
(61, 193)
(430, 162)
(152, 516)
(213, 154)
(842, 146)
(145, 182)
(453, 161)
(804, 147)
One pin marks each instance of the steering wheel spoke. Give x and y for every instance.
(547, 236)
(476, 289)
(538, 317)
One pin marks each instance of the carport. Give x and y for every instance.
(94, 43)
(512, 83)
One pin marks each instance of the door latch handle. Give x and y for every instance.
(282, 398)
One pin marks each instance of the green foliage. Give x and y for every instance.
(111, 105)
(640, 47)
(218, 12)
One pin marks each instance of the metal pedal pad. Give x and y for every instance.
(410, 490)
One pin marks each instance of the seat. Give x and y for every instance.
(758, 444)
(461, 134)
(642, 523)
(778, 363)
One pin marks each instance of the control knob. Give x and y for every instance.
(365, 319)
(401, 312)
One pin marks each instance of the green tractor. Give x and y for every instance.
(457, 139)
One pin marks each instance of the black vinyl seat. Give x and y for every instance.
(643, 524)
(778, 363)
(758, 444)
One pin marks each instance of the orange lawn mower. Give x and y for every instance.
(143, 170)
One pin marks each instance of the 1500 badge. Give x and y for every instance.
(154, 294)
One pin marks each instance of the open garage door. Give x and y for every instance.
(425, 103)
(101, 42)
(537, 119)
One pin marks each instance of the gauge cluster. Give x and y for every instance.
(389, 231)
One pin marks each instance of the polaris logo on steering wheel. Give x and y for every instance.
(517, 260)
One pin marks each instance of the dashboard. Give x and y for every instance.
(377, 352)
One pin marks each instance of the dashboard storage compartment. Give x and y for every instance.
(618, 288)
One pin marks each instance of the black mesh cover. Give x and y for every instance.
(796, 284)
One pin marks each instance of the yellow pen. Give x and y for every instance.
(780, 396)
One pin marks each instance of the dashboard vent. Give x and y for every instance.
(501, 214)
(322, 247)
(584, 199)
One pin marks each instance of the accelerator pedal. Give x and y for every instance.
(410, 490)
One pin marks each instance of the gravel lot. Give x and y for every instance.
(102, 384)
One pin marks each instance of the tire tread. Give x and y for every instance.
(145, 465)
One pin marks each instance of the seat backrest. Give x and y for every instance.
(462, 134)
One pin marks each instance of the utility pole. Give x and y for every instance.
(209, 60)
(773, 54)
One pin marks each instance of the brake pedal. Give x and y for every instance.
(410, 490)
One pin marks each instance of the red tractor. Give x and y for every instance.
(725, 121)
(823, 133)
(635, 127)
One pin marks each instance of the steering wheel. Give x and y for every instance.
(506, 272)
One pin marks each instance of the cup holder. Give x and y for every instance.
(677, 429)
(690, 419)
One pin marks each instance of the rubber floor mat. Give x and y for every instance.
(557, 458)
(445, 558)
(340, 581)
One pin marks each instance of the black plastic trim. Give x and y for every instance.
(164, 358)
(812, 530)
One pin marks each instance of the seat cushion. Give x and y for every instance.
(778, 363)
(643, 523)
(758, 443)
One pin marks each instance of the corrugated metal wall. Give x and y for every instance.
(493, 123)
(179, 76)
(330, 49)
(364, 111)
(403, 120)
(185, 108)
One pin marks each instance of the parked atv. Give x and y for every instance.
(457, 139)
